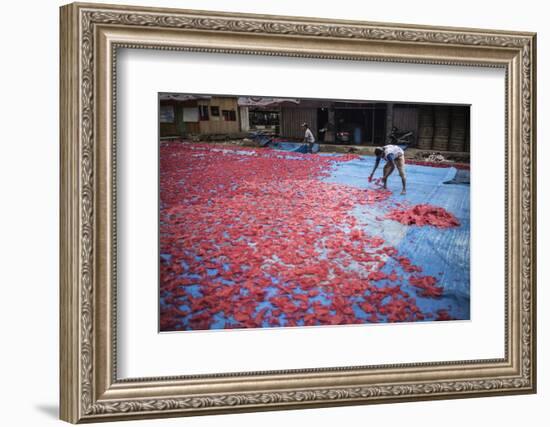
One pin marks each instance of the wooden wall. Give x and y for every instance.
(292, 119)
(219, 125)
(204, 127)
(405, 117)
(436, 127)
(168, 129)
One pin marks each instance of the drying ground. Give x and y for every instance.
(255, 238)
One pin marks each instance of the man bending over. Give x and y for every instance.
(395, 158)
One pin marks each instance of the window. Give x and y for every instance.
(263, 118)
(229, 115)
(167, 114)
(191, 114)
(203, 113)
(215, 111)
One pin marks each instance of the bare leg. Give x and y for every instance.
(404, 183)
(388, 169)
(400, 163)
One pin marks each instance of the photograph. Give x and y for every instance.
(266, 211)
(300, 212)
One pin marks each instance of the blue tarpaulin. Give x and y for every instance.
(442, 253)
(295, 147)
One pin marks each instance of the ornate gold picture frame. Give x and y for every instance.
(91, 34)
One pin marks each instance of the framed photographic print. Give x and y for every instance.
(267, 212)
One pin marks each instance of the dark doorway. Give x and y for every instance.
(364, 125)
(322, 123)
(379, 126)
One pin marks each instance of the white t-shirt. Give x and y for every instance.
(392, 149)
(309, 136)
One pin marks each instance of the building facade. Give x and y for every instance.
(184, 115)
(434, 127)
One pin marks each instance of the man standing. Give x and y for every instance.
(309, 139)
(395, 158)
